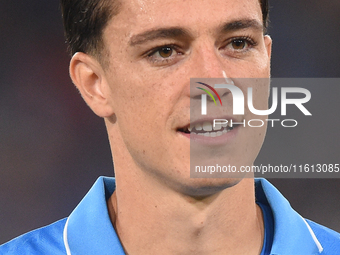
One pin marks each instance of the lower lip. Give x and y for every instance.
(213, 141)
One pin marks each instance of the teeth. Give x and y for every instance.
(207, 126)
(217, 127)
(198, 127)
(212, 134)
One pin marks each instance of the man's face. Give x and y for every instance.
(155, 47)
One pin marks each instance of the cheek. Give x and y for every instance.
(137, 107)
(147, 96)
(258, 66)
(260, 94)
(262, 64)
(143, 110)
(256, 125)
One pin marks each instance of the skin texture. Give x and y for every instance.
(144, 98)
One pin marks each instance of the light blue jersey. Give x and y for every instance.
(88, 230)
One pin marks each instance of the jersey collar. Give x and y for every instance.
(292, 234)
(89, 229)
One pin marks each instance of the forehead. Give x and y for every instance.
(136, 16)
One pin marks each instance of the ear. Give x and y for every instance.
(268, 43)
(88, 76)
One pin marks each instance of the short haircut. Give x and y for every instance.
(85, 20)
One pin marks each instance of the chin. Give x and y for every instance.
(203, 187)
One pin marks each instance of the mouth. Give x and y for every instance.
(208, 129)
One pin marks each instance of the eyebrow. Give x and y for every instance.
(176, 32)
(242, 24)
(161, 33)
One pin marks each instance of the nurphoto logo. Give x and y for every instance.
(238, 104)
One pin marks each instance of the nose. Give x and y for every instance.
(206, 66)
(207, 62)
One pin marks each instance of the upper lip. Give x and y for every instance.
(210, 119)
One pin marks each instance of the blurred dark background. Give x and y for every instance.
(53, 148)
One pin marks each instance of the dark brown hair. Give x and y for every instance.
(85, 20)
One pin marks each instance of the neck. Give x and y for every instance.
(159, 220)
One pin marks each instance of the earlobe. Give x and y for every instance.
(88, 76)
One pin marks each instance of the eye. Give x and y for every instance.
(164, 55)
(165, 52)
(239, 44)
